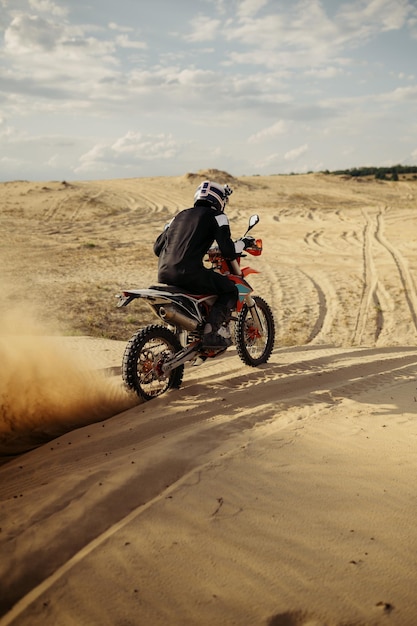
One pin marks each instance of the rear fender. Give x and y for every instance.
(153, 296)
(125, 298)
(161, 300)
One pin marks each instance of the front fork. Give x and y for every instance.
(250, 302)
(257, 322)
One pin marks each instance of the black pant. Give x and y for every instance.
(207, 281)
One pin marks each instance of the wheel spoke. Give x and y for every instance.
(143, 361)
(255, 347)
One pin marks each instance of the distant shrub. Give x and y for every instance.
(381, 173)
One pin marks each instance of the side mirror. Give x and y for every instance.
(253, 220)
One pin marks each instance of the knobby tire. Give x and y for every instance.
(252, 348)
(143, 357)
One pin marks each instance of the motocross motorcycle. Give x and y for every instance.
(155, 356)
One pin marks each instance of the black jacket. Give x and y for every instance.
(181, 247)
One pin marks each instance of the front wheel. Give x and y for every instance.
(144, 356)
(252, 346)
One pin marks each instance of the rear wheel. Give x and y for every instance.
(252, 346)
(144, 356)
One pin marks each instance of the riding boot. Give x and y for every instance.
(216, 331)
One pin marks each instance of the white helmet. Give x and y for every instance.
(214, 194)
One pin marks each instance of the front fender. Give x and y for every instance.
(248, 270)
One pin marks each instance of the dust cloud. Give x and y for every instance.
(45, 389)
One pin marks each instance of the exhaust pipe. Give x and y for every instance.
(171, 315)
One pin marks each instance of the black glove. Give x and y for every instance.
(248, 241)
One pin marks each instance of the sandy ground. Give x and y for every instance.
(282, 495)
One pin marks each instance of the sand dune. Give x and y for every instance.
(279, 495)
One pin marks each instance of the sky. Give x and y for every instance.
(102, 89)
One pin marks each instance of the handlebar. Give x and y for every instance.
(251, 245)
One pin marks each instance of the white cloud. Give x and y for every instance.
(124, 42)
(53, 161)
(11, 161)
(121, 29)
(278, 128)
(267, 162)
(304, 24)
(27, 33)
(366, 17)
(158, 86)
(130, 150)
(412, 25)
(324, 72)
(9, 134)
(303, 36)
(265, 32)
(146, 147)
(193, 77)
(47, 6)
(401, 94)
(292, 155)
(203, 29)
(250, 7)
(51, 60)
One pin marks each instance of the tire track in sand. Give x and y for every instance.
(370, 281)
(406, 279)
(375, 296)
(369, 295)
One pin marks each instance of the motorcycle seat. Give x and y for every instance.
(170, 288)
(182, 291)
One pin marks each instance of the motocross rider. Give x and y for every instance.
(182, 246)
